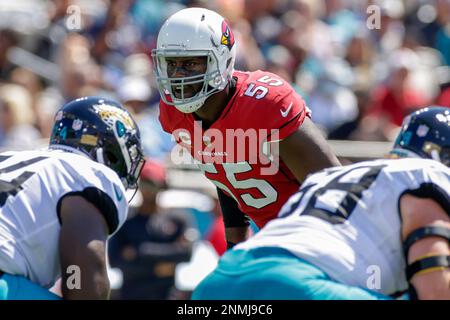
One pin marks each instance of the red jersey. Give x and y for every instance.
(233, 151)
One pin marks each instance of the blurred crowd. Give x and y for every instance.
(360, 65)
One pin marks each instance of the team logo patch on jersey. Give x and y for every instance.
(227, 36)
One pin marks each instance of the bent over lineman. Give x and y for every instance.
(392, 214)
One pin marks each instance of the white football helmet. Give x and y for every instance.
(194, 32)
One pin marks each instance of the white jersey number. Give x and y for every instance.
(335, 201)
(11, 188)
(231, 169)
(260, 92)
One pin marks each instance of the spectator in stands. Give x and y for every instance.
(394, 99)
(8, 39)
(17, 118)
(444, 97)
(442, 40)
(134, 93)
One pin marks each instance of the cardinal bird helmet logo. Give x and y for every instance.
(227, 35)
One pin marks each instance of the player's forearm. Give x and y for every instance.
(236, 235)
(431, 284)
(429, 281)
(89, 279)
(97, 289)
(235, 221)
(82, 250)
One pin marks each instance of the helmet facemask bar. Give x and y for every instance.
(132, 156)
(212, 80)
(137, 163)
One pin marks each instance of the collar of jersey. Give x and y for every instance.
(63, 148)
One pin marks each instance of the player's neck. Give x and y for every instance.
(213, 107)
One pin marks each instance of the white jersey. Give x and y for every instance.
(346, 220)
(31, 184)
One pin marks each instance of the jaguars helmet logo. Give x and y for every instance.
(110, 114)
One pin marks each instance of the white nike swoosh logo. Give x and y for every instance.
(285, 113)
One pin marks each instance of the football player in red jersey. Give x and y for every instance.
(213, 111)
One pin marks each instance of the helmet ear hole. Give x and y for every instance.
(110, 157)
(116, 163)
